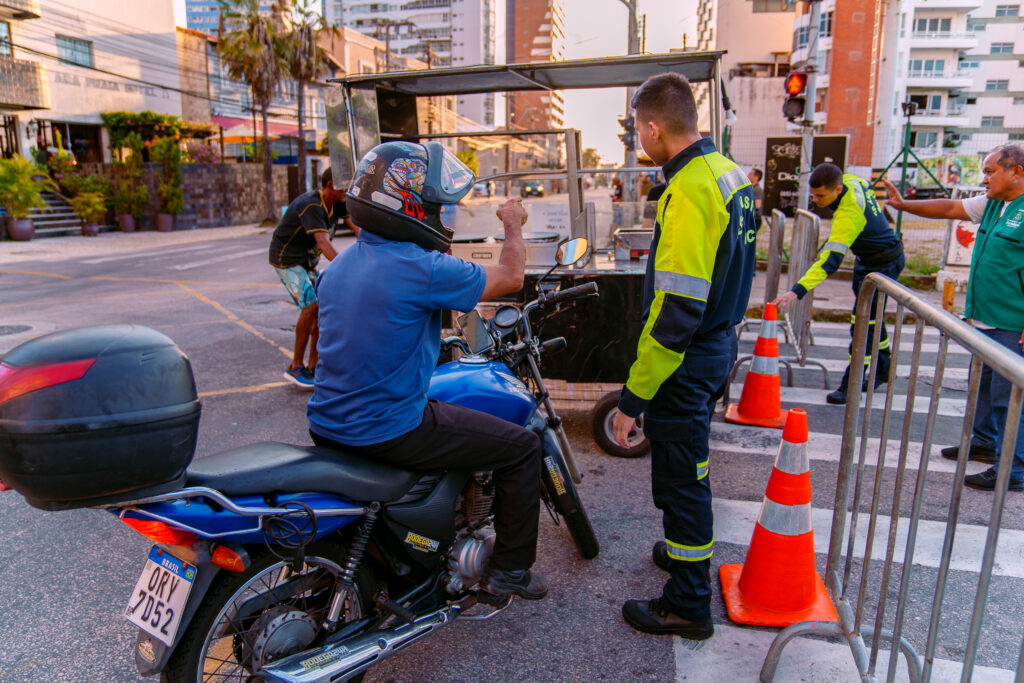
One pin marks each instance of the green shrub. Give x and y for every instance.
(168, 152)
(131, 195)
(21, 185)
(89, 206)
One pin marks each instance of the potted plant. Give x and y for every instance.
(90, 207)
(131, 196)
(21, 185)
(167, 151)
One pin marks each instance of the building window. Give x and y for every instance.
(800, 38)
(932, 26)
(927, 67)
(825, 25)
(5, 39)
(1018, 100)
(74, 51)
(1000, 84)
(1001, 49)
(1016, 136)
(975, 26)
(1007, 10)
(923, 139)
(991, 121)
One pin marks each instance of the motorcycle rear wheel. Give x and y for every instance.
(214, 649)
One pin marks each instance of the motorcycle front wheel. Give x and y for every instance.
(560, 491)
(267, 612)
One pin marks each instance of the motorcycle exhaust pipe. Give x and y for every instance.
(352, 656)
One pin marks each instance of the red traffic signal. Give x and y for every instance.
(795, 83)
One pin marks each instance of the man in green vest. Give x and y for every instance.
(995, 295)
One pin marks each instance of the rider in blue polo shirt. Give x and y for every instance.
(380, 336)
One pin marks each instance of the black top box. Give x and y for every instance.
(96, 415)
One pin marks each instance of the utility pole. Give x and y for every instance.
(807, 125)
(633, 47)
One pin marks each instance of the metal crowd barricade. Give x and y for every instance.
(863, 627)
(803, 251)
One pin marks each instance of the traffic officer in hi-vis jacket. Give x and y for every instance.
(698, 279)
(858, 225)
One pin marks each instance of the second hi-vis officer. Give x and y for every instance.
(696, 288)
(858, 225)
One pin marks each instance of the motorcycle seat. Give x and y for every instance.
(271, 467)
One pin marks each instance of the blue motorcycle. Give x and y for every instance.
(274, 562)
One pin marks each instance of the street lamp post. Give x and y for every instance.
(633, 47)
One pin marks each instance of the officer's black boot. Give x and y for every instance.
(838, 397)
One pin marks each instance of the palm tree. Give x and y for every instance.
(307, 61)
(251, 50)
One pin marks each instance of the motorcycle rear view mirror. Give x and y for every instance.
(571, 251)
(475, 332)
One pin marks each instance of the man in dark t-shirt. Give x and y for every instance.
(295, 247)
(755, 175)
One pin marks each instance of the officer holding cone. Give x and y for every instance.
(858, 225)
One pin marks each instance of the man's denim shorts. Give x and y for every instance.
(299, 283)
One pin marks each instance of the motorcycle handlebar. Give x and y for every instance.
(589, 289)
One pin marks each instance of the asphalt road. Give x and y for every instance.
(66, 576)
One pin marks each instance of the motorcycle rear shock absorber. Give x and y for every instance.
(347, 577)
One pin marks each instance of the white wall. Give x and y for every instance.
(129, 38)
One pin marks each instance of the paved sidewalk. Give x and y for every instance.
(109, 243)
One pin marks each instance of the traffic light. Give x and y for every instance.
(796, 101)
(629, 137)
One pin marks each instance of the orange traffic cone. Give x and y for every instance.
(777, 585)
(761, 401)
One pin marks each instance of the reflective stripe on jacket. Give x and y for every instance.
(700, 266)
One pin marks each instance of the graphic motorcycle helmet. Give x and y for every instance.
(400, 188)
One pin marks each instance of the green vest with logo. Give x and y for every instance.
(995, 290)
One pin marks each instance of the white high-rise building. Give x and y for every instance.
(438, 32)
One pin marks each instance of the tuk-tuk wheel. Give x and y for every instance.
(604, 414)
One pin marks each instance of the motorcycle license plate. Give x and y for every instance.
(159, 597)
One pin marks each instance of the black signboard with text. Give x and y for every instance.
(782, 168)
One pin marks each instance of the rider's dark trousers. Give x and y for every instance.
(451, 437)
(678, 424)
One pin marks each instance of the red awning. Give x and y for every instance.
(272, 128)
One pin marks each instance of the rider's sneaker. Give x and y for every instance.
(502, 584)
(299, 377)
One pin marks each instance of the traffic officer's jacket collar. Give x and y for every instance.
(676, 163)
(835, 205)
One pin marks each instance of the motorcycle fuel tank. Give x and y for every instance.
(487, 386)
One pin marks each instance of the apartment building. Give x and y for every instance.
(438, 32)
(958, 61)
(754, 70)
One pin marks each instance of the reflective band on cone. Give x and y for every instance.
(761, 401)
(777, 585)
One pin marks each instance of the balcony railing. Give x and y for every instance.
(942, 34)
(964, 73)
(19, 9)
(23, 85)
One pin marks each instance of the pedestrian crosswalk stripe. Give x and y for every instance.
(838, 366)
(906, 345)
(734, 523)
(744, 440)
(736, 654)
(948, 407)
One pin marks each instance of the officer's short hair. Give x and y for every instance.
(1010, 155)
(826, 175)
(668, 99)
(326, 177)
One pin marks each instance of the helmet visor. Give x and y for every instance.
(456, 178)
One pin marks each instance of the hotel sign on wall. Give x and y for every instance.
(64, 78)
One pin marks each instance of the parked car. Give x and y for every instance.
(531, 188)
(484, 188)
